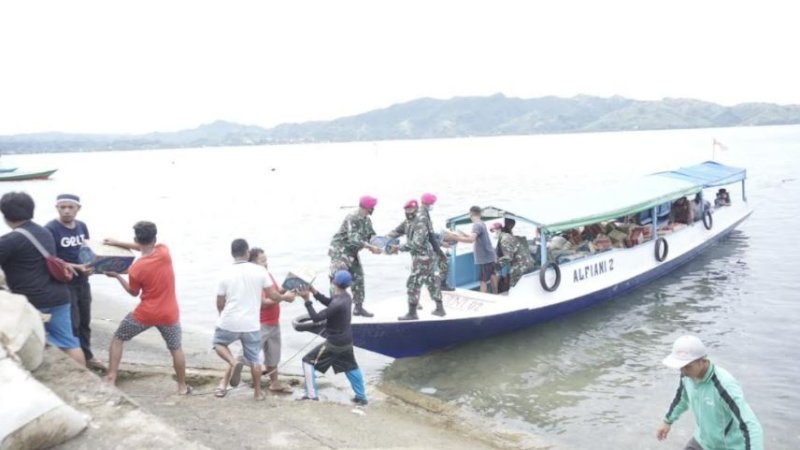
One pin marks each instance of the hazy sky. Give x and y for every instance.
(138, 66)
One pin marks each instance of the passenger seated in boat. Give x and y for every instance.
(723, 198)
(513, 254)
(698, 215)
(590, 232)
(573, 236)
(681, 212)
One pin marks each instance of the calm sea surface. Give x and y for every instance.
(589, 381)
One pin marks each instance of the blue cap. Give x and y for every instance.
(342, 278)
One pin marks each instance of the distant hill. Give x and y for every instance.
(424, 118)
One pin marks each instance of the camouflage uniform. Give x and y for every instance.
(442, 259)
(401, 230)
(423, 260)
(514, 254)
(353, 235)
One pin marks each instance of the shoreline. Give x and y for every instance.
(396, 417)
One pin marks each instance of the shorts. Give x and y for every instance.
(271, 344)
(251, 342)
(59, 328)
(326, 355)
(130, 328)
(485, 271)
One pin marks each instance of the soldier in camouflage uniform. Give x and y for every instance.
(511, 252)
(423, 261)
(353, 235)
(427, 201)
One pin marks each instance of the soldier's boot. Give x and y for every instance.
(445, 286)
(412, 313)
(439, 311)
(359, 310)
(419, 306)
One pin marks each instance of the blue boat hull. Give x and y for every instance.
(416, 338)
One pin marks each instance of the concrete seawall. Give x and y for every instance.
(144, 411)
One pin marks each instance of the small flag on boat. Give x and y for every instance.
(719, 145)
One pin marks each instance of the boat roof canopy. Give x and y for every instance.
(708, 174)
(563, 212)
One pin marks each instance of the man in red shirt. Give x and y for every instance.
(151, 276)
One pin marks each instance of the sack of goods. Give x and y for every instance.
(638, 235)
(21, 329)
(298, 279)
(105, 258)
(601, 243)
(617, 237)
(31, 415)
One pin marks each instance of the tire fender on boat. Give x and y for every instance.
(304, 323)
(708, 221)
(543, 271)
(662, 249)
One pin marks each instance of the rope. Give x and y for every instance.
(195, 393)
(314, 338)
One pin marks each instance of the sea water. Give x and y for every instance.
(590, 380)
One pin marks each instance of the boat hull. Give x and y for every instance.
(16, 176)
(415, 338)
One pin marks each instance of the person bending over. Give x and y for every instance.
(337, 350)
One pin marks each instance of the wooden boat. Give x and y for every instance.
(22, 176)
(562, 282)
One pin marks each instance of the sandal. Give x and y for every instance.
(236, 376)
(220, 392)
(282, 390)
(189, 390)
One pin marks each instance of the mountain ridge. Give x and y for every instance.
(428, 118)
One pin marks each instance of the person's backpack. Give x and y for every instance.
(58, 268)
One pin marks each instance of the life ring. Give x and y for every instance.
(708, 221)
(304, 323)
(661, 243)
(542, 279)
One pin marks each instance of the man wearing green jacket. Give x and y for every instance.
(724, 420)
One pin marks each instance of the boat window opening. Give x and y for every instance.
(463, 272)
(582, 242)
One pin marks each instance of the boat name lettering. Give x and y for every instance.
(592, 270)
(462, 303)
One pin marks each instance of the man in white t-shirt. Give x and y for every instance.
(239, 302)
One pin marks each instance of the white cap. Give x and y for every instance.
(685, 350)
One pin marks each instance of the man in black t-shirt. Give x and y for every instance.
(69, 234)
(27, 274)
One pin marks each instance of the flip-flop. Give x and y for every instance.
(282, 390)
(220, 392)
(189, 390)
(236, 376)
(94, 364)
